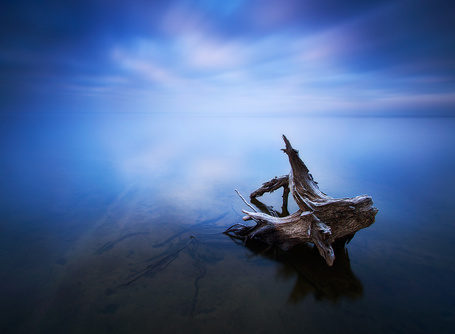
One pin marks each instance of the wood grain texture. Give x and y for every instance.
(320, 220)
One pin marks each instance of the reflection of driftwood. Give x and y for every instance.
(314, 277)
(320, 219)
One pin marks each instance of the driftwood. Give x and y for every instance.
(321, 219)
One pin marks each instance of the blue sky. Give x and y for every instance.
(257, 57)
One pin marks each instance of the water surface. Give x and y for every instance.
(90, 203)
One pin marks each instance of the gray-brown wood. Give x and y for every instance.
(320, 219)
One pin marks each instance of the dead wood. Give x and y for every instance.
(320, 219)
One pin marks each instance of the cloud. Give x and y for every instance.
(144, 67)
(261, 56)
(202, 53)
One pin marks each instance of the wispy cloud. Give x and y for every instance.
(248, 56)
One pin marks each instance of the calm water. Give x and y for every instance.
(89, 203)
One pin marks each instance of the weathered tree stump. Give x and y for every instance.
(321, 219)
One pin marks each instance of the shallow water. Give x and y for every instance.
(91, 202)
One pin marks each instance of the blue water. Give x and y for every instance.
(89, 202)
